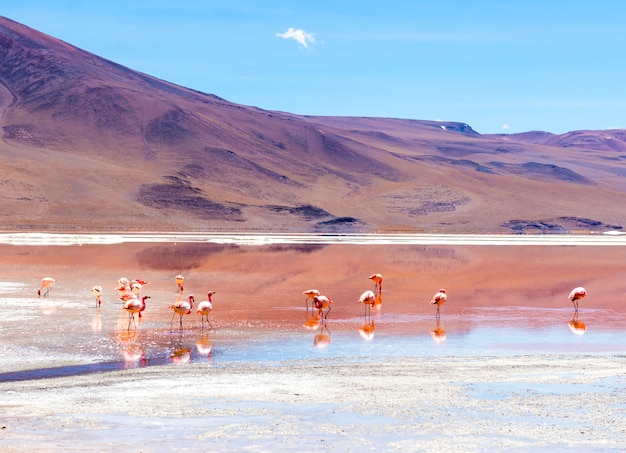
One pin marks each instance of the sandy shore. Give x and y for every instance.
(516, 403)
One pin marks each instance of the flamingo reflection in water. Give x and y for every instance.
(45, 286)
(367, 330)
(313, 322)
(181, 354)
(204, 346)
(181, 308)
(310, 294)
(438, 334)
(205, 308)
(576, 325)
(576, 294)
(132, 352)
(96, 322)
(322, 339)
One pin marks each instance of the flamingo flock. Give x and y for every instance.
(129, 292)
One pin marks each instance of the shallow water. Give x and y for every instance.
(503, 300)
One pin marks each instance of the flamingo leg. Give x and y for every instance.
(328, 311)
(131, 316)
(172, 321)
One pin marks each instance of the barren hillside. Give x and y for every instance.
(88, 144)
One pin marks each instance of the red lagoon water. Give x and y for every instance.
(502, 300)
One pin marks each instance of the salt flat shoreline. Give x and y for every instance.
(532, 403)
(611, 238)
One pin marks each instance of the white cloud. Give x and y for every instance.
(506, 126)
(301, 36)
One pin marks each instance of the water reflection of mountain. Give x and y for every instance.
(179, 257)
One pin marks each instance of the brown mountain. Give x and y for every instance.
(88, 144)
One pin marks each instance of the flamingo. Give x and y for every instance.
(577, 294)
(133, 306)
(378, 283)
(205, 307)
(367, 298)
(310, 294)
(179, 281)
(180, 308)
(46, 284)
(439, 299)
(97, 291)
(122, 286)
(127, 295)
(322, 302)
(136, 288)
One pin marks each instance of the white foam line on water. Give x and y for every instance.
(65, 239)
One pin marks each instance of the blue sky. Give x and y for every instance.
(499, 66)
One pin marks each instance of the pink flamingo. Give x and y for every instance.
(133, 306)
(367, 298)
(378, 282)
(46, 284)
(179, 281)
(322, 302)
(205, 307)
(97, 291)
(310, 294)
(180, 308)
(577, 294)
(439, 299)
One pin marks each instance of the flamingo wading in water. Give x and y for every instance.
(310, 294)
(179, 281)
(205, 307)
(322, 302)
(439, 299)
(577, 294)
(133, 306)
(367, 298)
(378, 282)
(180, 308)
(46, 284)
(97, 291)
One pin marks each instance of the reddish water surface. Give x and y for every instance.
(502, 300)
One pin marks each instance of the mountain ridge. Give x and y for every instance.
(88, 144)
